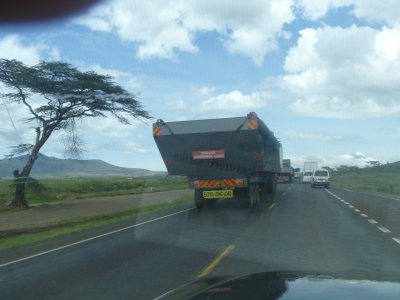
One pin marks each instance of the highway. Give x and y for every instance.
(351, 234)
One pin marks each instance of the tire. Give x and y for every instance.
(198, 199)
(254, 195)
(243, 195)
(270, 184)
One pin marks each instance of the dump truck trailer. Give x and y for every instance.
(222, 158)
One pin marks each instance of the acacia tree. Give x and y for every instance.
(65, 95)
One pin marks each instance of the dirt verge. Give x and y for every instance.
(51, 215)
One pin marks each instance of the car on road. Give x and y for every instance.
(306, 177)
(320, 178)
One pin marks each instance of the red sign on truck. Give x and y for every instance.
(208, 154)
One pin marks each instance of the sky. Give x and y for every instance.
(324, 76)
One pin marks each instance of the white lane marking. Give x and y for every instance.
(372, 221)
(384, 229)
(346, 202)
(93, 238)
(351, 206)
(397, 240)
(357, 210)
(364, 215)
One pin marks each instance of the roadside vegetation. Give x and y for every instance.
(383, 178)
(58, 190)
(84, 223)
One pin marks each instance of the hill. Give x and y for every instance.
(50, 167)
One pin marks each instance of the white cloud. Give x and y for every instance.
(234, 102)
(203, 91)
(375, 11)
(386, 11)
(162, 28)
(107, 127)
(358, 159)
(319, 136)
(354, 159)
(179, 105)
(133, 148)
(344, 72)
(11, 47)
(316, 9)
(127, 79)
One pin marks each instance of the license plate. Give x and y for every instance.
(218, 194)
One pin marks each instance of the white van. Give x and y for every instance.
(320, 178)
(306, 177)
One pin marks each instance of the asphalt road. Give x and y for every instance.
(351, 234)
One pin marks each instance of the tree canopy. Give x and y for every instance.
(65, 95)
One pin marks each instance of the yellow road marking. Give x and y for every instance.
(271, 206)
(216, 261)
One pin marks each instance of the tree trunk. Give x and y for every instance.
(19, 199)
(21, 178)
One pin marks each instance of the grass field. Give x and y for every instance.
(385, 178)
(50, 190)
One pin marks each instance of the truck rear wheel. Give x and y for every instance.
(254, 195)
(271, 184)
(198, 199)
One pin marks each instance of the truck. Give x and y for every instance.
(236, 158)
(297, 174)
(287, 173)
(309, 168)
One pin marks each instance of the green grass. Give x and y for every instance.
(51, 190)
(379, 179)
(84, 223)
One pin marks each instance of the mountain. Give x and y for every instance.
(46, 166)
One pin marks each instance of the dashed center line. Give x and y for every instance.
(372, 221)
(384, 229)
(397, 240)
(351, 206)
(357, 210)
(364, 215)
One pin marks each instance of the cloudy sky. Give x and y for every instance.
(323, 75)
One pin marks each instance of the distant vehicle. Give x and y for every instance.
(223, 158)
(287, 173)
(310, 166)
(297, 174)
(306, 177)
(320, 178)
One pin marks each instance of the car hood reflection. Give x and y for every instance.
(285, 286)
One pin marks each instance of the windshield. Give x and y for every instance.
(147, 144)
(321, 173)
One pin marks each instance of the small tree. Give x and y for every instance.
(67, 95)
(373, 163)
